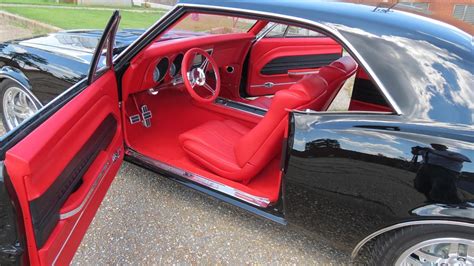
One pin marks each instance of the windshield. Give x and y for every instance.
(197, 24)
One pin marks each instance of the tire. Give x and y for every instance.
(29, 103)
(396, 247)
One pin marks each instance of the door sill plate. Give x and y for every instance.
(203, 181)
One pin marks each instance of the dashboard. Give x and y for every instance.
(164, 68)
(159, 65)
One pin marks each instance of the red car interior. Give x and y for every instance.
(36, 171)
(335, 75)
(237, 152)
(287, 59)
(227, 145)
(174, 113)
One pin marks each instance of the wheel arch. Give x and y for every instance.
(8, 72)
(397, 226)
(16, 75)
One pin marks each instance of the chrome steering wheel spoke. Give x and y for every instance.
(209, 88)
(197, 75)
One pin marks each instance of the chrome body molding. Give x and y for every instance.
(358, 247)
(330, 30)
(241, 195)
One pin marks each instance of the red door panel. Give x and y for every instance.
(277, 63)
(62, 170)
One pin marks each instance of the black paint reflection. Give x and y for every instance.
(439, 173)
(351, 175)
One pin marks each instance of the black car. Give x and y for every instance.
(243, 111)
(34, 71)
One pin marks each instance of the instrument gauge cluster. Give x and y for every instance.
(175, 68)
(160, 70)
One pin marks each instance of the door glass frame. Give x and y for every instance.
(107, 41)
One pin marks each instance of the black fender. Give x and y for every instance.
(16, 75)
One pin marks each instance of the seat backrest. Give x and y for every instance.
(263, 142)
(335, 74)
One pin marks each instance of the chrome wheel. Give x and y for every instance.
(440, 251)
(18, 106)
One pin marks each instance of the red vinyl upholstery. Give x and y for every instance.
(335, 74)
(236, 152)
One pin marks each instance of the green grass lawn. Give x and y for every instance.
(28, 1)
(54, 3)
(83, 18)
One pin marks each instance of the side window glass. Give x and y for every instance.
(297, 32)
(274, 30)
(278, 31)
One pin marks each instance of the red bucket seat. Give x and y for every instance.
(236, 152)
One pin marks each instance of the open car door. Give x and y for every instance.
(60, 172)
(284, 54)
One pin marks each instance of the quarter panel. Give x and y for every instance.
(350, 175)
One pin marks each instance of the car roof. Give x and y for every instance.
(425, 67)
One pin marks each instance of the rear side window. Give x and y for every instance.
(276, 30)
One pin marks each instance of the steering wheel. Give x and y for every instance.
(196, 77)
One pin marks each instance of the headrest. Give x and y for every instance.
(311, 86)
(346, 64)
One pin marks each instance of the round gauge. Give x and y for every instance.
(176, 65)
(160, 70)
(173, 70)
(156, 74)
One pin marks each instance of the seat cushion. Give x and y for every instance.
(212, 145)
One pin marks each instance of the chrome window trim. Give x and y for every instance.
(333, 31)
(262, 34)
(312, 112)
(358, 247)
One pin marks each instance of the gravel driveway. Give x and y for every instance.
(148, 219)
